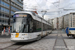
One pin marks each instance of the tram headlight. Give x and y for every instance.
(11, 34)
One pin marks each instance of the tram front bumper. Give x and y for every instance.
(23, 40)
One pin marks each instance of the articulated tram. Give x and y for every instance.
(27, 27)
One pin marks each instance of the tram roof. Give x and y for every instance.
(34, 14)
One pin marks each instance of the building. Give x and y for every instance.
(66, 20)
(51, 22)
(55, 23)
(69, 20)
(16, 5)
(60, 25)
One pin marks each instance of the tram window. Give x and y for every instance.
(25, 29)
(36, 26)
(24, 21)
(30, 25)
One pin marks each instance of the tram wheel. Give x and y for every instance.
(73, 36)
(67, 34)
(38, 38)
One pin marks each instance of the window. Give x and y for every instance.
(6, 4)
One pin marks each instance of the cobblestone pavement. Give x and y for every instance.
(4, 42)
(70, 41)
(47, 43)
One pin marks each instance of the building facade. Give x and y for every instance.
(60, 26)
(51, 22)
(66, 20)
(69, 20)
(16, 5)
(55, 23)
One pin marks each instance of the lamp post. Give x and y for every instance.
(42, 21)
(9, 12)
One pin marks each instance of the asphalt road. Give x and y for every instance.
(57, 40)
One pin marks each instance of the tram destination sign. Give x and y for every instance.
(20, 15)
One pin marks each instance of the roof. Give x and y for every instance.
(34, 16)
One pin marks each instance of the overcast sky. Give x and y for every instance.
(54, 7)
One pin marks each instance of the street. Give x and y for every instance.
(57, 40)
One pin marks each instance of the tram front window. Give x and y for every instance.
(20, 23)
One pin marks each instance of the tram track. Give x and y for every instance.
(60, 43)
(55, 43)
(5, 42)
(13, 47)
(64, 43)
(16, 46)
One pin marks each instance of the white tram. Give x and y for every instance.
(27, 27)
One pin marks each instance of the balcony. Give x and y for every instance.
(17, 3)
(7, 8)
(4, 18)
(20, 1)
(13, 5)
(3, 23)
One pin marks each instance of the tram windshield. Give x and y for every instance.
(20, 23)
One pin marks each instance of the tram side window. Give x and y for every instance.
(36, 26)
(44, 27)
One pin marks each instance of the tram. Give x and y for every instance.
(27, 27)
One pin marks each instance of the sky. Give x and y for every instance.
(54, 8)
